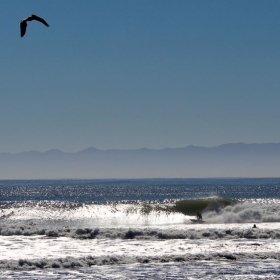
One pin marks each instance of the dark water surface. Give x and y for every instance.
(138, 189)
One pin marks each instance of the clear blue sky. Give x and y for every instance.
(123, 74)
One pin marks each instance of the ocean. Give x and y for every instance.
(140, 229)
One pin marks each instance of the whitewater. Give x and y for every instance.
(140, 229)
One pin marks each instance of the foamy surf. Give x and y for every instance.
(81, 234)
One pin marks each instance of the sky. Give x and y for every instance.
(122, 74)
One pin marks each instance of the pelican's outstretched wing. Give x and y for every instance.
(39, 19)
(23, 23)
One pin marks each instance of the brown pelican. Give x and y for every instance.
(23, 23)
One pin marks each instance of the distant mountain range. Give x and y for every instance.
(227, 160)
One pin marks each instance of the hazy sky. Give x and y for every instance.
(123, 74)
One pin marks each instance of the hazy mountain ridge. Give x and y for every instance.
(233, 160)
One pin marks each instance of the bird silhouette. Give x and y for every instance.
(23, 23)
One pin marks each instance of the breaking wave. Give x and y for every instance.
(214, 210)
(91, 261)
(187, 232)
(82, 221)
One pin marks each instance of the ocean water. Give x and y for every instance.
(140, 229)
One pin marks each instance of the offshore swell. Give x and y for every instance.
(124, 227)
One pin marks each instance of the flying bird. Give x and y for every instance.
(23, 23)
